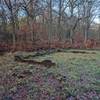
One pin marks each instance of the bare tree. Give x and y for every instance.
(9, 5)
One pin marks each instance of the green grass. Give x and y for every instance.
(73, 75)
(82, 69)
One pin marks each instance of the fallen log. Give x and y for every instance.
(46, 63)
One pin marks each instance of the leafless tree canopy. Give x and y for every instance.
(24, 21)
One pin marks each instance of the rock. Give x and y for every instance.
(59, 50)
(48, 63)
(18, 58)
(21, 76)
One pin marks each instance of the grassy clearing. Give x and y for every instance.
(76, 76)
(83, 69)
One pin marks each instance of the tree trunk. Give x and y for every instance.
(14, 31)
(59, 19)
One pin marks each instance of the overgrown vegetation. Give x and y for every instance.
(49, 50)
(75, 76)
(34, 24)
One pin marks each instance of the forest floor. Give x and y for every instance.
(76, 76)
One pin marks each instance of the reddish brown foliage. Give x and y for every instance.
(89, 43)
(44, 45)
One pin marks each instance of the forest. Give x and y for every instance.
(41, 24)
(49, 49)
